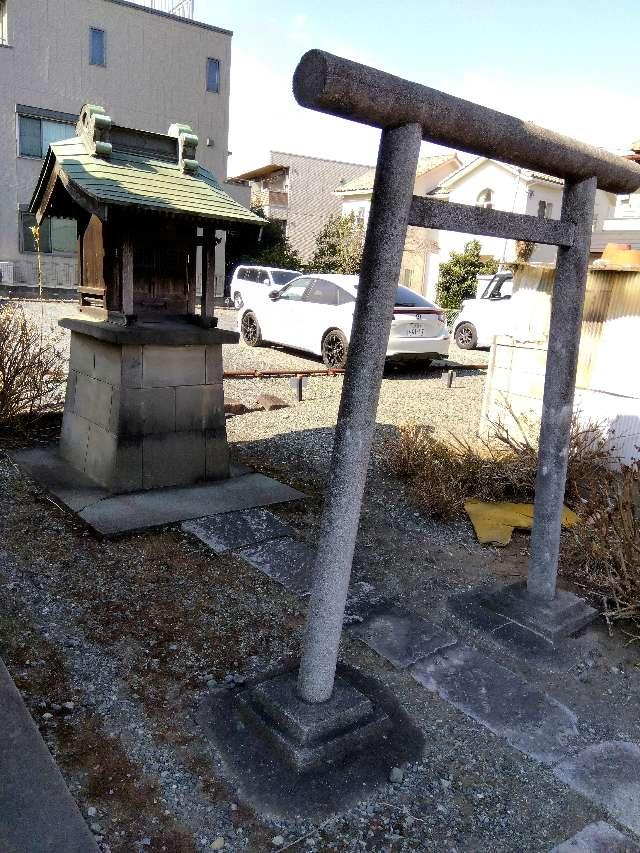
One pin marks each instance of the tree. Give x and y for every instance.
(458, 275)
(338, 246)
(266, 246)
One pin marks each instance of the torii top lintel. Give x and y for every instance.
(347, 89)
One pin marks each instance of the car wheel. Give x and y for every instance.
(334, 349)
(237, 301)
(250, 330)
(466, 336)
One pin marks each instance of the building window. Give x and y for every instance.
(4, 35)
(213, 75)
(485, 199)
(97, 46)
(545, 209)
(35, 135)
(56, 235)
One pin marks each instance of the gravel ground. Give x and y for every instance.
(134, 633)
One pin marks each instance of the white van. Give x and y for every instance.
(486, 316)
(250, 281)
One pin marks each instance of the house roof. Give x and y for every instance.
(256, 174)
(364, 183)
(109, 166)
(526, 174)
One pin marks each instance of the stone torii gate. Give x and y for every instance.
(408, 113)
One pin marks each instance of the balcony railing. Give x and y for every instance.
(181, 8)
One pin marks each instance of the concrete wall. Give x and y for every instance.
(155, 74)
(608, 381)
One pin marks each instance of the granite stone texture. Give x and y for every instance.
(312, 734)
(230, 531)
(289, 562)
(598, 837)
(506, 704)
(608, 773)
(403, 638)
(144, 416)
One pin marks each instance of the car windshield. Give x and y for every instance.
(283, 276)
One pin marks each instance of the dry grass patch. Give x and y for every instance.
(443, 473)
(601, 554)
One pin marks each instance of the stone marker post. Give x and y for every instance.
(380, 270)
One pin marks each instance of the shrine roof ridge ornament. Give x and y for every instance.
(108, 165)
(340, 87)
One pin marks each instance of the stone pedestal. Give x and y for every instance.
(144, 407)
(313, 734)
(564, 615)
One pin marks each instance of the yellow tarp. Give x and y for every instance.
(494, 523)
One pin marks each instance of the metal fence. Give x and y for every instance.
(181, 8)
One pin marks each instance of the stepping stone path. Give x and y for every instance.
(288, 561)
(502, 701)
(598, 837)
(403, 638)
(230, 531)
(608, 773)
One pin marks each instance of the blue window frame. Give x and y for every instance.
(213, 75)
(97, 47)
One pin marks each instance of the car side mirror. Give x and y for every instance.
(274, 295)
(265, 281)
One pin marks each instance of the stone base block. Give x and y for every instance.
(312, 734)
(144, 407)
(564, 615)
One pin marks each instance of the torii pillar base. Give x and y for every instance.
(554, 620)
(307, 734)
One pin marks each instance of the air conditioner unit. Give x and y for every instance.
(6, 272)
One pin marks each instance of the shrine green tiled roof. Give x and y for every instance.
(131, 179)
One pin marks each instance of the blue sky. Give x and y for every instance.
(568, 65)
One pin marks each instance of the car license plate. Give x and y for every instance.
(416, 330)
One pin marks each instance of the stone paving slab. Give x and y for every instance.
(403, 638)
(229, 531)
(287, 561)
(114, 515)
(598, 837)
(608, 773)
(506, 704)
(37, 812)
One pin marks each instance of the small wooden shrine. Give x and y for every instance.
(144, 406)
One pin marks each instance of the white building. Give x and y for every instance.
(488, 183)
(148, 63)
(420, 258)
(621, 224)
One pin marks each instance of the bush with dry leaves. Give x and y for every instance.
(443, 473)
(601, 553)
(32, 369)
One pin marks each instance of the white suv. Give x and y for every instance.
(486, 316)
(248, 282)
